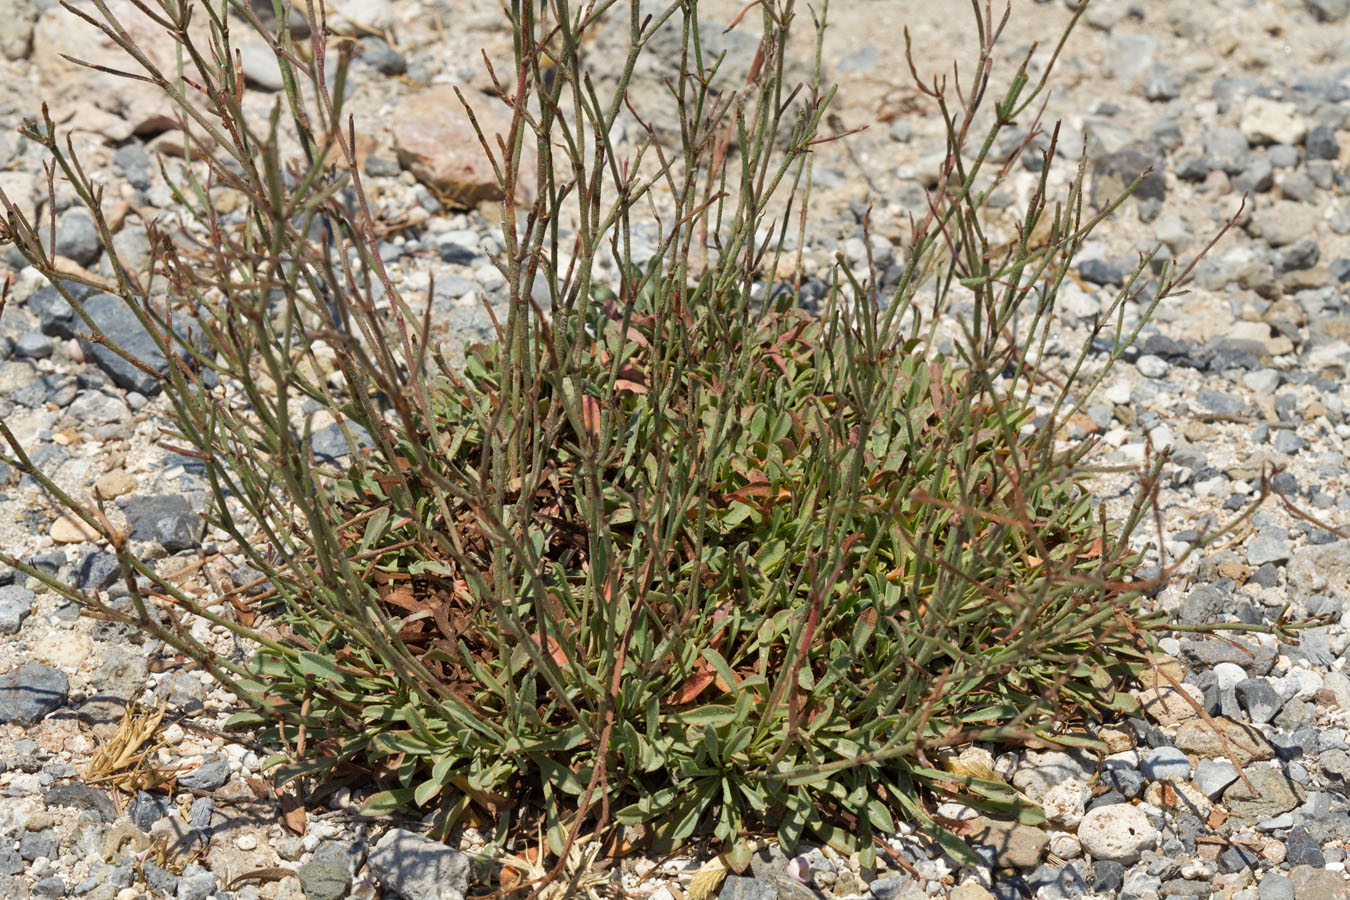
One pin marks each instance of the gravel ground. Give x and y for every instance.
(1247, 369)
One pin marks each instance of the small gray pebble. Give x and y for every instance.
(1259, 699)
(1275, 886)
(33, 345)
(1165, 764)
(211, 774)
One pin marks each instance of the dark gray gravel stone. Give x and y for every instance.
(1282, 156)
(1286, 441)
(1268, 549)
(166, 518)
(1068, 882)
(1236, 858)
(1335, 768)
(1203, 605)
(34, 844)
(376, 53)
(159, 880)
(30, 692)
(120, 326)
(1124, 778)
(1113, 172)
(1302, 850)
(195, 883)
(1219, 402)
(11, 863)
(32, 345)
(146, 809)
(98, 571)
(211, 774)
(1259, 699)
(200, 813)
(1267, 575)
(1298, 186)
(1098, 271)
(135, 164)
(77, 237)
(1321, 143)
(329, 445)
(1195, 169)
(182, 691)
(56, 318)
(16, 605)
(457, 253)
(51, 886)
(1256, 658)
(1258, 177)
(1107, 876)
(1298, 256)
(75, 795)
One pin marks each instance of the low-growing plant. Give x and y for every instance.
(673, 553)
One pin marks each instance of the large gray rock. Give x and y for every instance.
(324, 880)
(30, 692)
(166, 518)
(1010, 844)
(1271, 792)
(419, 868)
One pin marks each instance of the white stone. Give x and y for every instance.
(1151, 366)
(360, 17)
(1064, 803)
(1119, 392)
(1065, 845)
(1117, 832)
(66, 650)
(1298, 684)
(1076, 302)
(1272, 122)
(1262, 381)
(1227, 675)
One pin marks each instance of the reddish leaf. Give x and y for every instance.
(692, 687)
(292, 812)
(590, 414)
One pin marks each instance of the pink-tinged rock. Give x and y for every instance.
(145, 107)
(1166, 705)
(436, 141)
